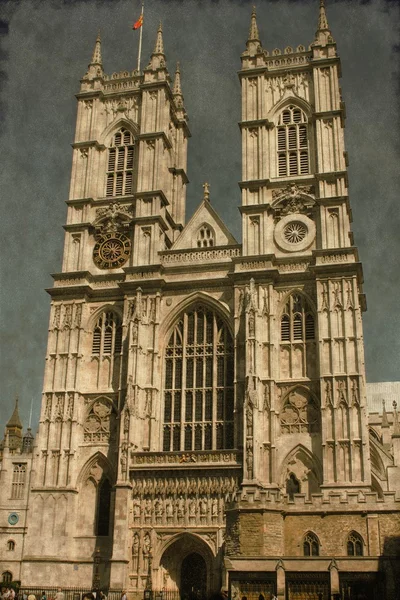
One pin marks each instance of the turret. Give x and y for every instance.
(95, 67)
(14, 430)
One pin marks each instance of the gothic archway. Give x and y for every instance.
(187, 567)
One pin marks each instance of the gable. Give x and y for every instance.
(205, 229)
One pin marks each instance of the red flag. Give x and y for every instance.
(138, 23)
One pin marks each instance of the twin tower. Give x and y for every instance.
(204, 419)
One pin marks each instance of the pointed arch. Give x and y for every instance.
(92, 319)
(311, 544)
(305, 467)
(106, 136)
(90, 471)
(354, 544)
(192, 300)
(283, 103)
(298, 291)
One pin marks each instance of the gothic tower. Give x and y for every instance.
(302, 324)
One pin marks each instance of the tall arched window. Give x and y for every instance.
(198, 390)
(310, 544)
(354, 544)
(107, 335)
(120, 164)
(292, 142)
(11, 545)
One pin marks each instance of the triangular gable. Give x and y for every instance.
(205, 215)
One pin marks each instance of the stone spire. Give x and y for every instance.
(177, 89)
(253, 32)
(157, 60)
(95, 68)
(96, 58)
(253, 43)
(159, 47)
(323, 34)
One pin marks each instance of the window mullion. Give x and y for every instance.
(214, 385)
(183, 381)
(203, 392)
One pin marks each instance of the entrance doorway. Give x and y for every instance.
(193, 577)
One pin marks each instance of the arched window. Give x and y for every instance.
(107, 335)
(7, 577)
(11, 545)
(120, 164)
(292, 142)
(198, 390)
(103, 508)
(297, 321)
(354, 544)
(310, 545)
(205, 237)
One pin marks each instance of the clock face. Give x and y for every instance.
(13, 518)
(111, 250)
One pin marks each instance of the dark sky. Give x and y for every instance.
(46, 47)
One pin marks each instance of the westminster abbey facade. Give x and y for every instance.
(204, 420)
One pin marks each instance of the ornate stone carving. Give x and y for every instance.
(114, 217)
(293, 199)
(299, 413)
(99, 422)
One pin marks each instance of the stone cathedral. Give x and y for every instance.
(204, 420)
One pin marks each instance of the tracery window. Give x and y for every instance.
(107, 335)
(205, 237)
(354, 544)
(7, 577)
(120, 164)
(198, 396)
(18, 481)
(292, 142)
(100, 423)
(310, 545)
(11, 545)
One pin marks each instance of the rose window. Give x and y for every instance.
(295, 232)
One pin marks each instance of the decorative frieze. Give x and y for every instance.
(198, 256)
(158, 459)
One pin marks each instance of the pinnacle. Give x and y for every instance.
(96, 58)
(253, 33)
(322, 21)
(177, 83)
(323, 34)
(159, 47)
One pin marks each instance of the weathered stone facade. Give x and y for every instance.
(204, 418)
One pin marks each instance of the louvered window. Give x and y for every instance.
(198, 396)
(297, 320)
(120, 164)
(107, 335)
(292, 143)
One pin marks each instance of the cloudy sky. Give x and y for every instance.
(46, 46)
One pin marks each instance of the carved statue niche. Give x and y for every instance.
(249, 459)
(135, 552)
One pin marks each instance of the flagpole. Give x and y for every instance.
(140, 40)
